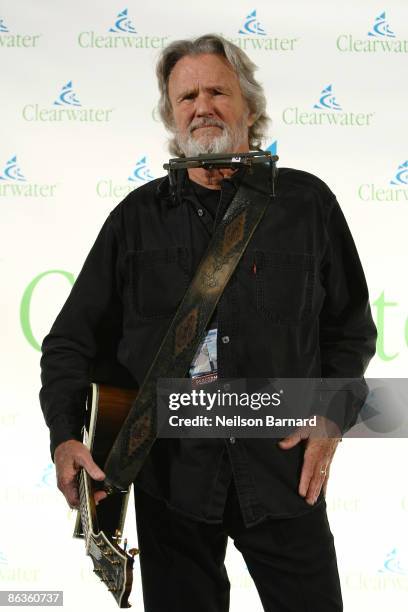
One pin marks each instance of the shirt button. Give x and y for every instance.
(232, 440)
(225, 339)
(200, 212)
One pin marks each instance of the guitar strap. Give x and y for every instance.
(187, 328)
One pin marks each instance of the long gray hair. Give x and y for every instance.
(251, 90)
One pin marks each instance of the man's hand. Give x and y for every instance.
(318, 455)
(69, 457)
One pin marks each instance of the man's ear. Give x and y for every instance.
(251, 119)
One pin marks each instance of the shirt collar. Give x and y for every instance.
(164, 191)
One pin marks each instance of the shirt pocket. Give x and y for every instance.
(280, 284)
(158, 280)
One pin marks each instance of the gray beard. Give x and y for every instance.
(227, 142)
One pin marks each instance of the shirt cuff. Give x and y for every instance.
(341, 401)
(61, 430)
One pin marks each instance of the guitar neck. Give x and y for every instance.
(87, 506)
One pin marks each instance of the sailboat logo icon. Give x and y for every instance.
(327, 99)
(11, 171)
(67, 96)
(252, 25)
(381, 27)
(123, 24)
(141, 171)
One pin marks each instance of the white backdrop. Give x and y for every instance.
(79, 129)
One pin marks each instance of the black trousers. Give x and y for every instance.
(292, 561)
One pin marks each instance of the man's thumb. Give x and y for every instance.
(289, 442)
(93, 469)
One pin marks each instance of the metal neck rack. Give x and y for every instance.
(222, 160)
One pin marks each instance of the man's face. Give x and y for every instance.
(209, 111)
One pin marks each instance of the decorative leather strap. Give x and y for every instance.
(187, 328)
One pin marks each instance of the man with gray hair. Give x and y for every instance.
(296, 306)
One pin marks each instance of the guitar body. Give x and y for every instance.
(102, 525)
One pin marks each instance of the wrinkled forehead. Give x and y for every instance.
(202, 71)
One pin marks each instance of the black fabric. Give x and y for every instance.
(296, 306)
(208, 198)
(291, 561)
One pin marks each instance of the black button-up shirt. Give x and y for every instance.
(296, 306)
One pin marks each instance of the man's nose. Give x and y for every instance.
(204, 106)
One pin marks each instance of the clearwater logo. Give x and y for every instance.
(327, 99)
(123, 24)
(122, 34)
(327, 112)
(252, 25)
(380, 38)
(67, 96)
(11, 171)
(252, 36)
(273, 147)
(11, 178)
(9, 39)
(394, 564)
(140, 174)
(381, 27)
(67, 107)
(398, 192)
(401, 175)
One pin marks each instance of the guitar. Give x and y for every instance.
(101, 525)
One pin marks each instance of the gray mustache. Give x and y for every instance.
(206, 123)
